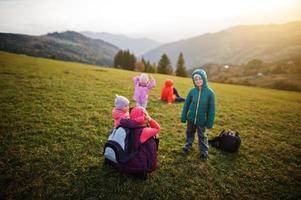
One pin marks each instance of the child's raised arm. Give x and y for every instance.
(136, 80)
(151, 84)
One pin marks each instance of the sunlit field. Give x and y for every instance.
(56, 116)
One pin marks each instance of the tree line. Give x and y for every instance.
(127, 60)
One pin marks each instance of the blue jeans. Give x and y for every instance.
(202, 136)
(142, 104)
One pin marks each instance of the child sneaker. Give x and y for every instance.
(203, 157)
(185, 150)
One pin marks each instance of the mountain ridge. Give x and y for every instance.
(136, 45)
(235, 45)
(67, 46)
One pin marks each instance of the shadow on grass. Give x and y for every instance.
(104, 182)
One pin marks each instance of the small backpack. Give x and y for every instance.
(227, 140)
(118, 148)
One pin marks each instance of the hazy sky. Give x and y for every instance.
(163, 20)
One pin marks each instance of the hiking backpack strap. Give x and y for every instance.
(112, 132)
(122, 155)
(131, 153)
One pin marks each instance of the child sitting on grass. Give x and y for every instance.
(121, 109)
(169, 93)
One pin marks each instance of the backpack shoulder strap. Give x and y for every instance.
(132, 153)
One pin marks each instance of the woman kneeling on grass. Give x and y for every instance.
(144, 131)
(169, 93)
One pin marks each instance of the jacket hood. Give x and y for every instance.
(137, 114)
(168, 83)
(117, 113)
(203, 74)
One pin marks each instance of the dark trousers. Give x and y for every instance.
(178, 97)
(202, 136)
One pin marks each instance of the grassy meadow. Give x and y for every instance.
(55, 118)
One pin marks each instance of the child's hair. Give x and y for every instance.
(121, 102)
(143, 78)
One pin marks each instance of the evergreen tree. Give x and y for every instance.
(144, 62)
(181, 70)
(147, 66)
(133, 61)
(164, 66)
(118, 59)
(152, 68)
(169, 69)
(125, 60)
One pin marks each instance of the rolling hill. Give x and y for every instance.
(56, 116)
(135, 45)
(68, 46)
(235, 45)
(283, 74)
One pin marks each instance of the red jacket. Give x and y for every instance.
(167, 92)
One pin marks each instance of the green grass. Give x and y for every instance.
(55, 118)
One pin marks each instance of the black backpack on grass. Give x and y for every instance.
(227, 140)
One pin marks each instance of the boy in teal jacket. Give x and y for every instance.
(199, 112)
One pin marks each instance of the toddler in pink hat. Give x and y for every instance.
(121, 109)
(142, 87)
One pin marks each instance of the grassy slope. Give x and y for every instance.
(55, 117)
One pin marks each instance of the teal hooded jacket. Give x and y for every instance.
(199, 107)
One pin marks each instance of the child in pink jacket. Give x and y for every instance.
(121, 109)
(142, 87)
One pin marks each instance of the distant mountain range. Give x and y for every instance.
(235, 45)
(68, 46)
(135, 45)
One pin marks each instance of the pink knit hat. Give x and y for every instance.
(143, 78)
(121, 102)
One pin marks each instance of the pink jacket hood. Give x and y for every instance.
(118, 114)
(137, 114)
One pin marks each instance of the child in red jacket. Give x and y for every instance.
(169, 93)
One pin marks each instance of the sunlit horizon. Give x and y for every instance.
(163, 21)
